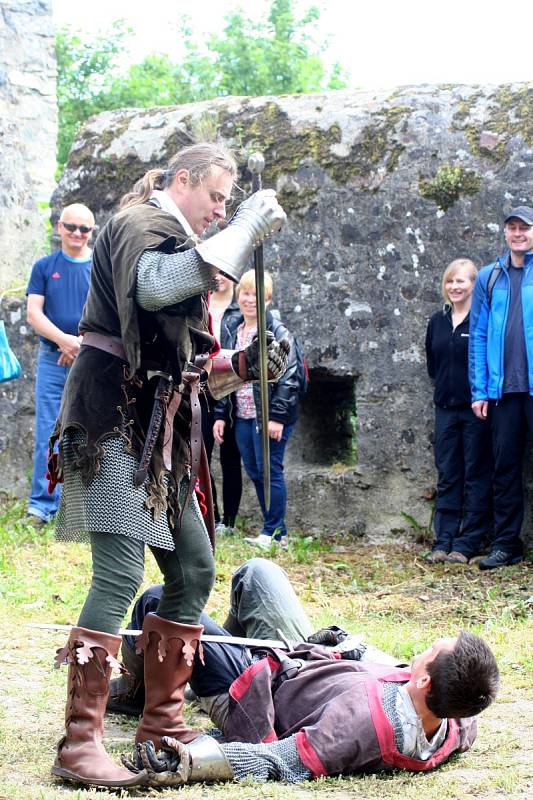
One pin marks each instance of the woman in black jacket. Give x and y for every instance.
(222, 307)
(462, 441)
(243, 409)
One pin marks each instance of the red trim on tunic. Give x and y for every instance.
(385, 732)
(270, 737)
(308, 755)
(202, 502)
(240, 685)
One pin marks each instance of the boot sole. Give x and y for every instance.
(509, 563)
(66, 774)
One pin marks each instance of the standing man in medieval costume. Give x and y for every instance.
(129, 435)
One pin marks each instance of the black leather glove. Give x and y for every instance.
(246, 362)
(328, 636)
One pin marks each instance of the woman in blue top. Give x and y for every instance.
(462, 442)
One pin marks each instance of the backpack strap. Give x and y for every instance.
(493, 277)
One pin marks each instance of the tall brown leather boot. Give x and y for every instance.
(169, 649)
(81, 756)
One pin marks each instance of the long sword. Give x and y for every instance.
(256, 165)
(244, 641)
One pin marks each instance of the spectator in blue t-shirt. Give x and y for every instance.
(56, 295)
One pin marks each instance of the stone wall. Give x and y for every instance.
(17, 401)
(28, 128)
(382, 190)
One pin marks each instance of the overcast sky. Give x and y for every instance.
(383, 43)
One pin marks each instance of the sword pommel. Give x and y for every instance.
(256, 163)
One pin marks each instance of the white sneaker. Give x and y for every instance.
(266, 542)
(224, 530)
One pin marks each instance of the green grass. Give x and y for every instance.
(387, 592)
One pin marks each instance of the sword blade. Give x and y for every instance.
(256, 164)
(244, 641)
(263, 369)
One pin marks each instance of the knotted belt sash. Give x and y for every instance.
(166, 401)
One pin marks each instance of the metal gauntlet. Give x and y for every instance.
(231, 250)
(177, 764)
(231, 368)
(223, 378)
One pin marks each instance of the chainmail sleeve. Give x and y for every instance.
(167, 278)
(275, 761)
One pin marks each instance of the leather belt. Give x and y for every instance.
(111, 344)
(169, 403)
(191, 380)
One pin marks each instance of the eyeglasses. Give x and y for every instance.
(70, 227)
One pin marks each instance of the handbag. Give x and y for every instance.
(9, 364)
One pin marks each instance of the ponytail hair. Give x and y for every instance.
(197, 159)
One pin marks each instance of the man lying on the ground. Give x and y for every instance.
(263, 605)
(311, 712)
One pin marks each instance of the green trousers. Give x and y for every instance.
(118, 571)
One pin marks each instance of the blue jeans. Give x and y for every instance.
(49, 384)
(250, 448)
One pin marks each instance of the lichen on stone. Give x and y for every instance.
(286, 147)
(448, 185)
(509, 112)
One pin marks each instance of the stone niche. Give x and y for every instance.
(28, 129)
(382, 189)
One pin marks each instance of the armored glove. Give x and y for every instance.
(350, 647)
(246, 362)
(230, 368)
(256, 218)
(176, 764)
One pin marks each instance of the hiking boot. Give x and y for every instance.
(455, 557)
(499, 558)
(35, 520)
(437, 557)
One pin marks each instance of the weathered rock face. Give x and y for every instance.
(382, 191)
(28, 128)
(17, 401)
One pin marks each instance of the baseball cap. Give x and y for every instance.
(525, 213)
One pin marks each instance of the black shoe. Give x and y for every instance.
(499, 558)
(126, 696)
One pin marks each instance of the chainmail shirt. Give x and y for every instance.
(409, 735)
(275, 761)
(111, 503)
(164, 279)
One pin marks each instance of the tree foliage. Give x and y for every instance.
(276, 55)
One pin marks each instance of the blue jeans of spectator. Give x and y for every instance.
(49, 385)
(250, 448)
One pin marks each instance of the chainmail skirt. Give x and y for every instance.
(111, 503)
